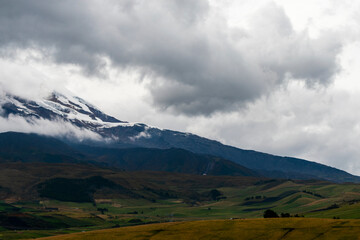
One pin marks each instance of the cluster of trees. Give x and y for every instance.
(272, 214)
(193, 198)
(254, 197)
(314, 194)
(103, 210)
(215, 195)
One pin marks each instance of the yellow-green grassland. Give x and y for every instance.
(267, 229)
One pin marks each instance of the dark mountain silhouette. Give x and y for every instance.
(21, 147)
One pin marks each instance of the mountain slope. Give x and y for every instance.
(266, 164)
(20, 147)
(129, 135)
(169, 160)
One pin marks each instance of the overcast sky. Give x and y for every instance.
(274, 76)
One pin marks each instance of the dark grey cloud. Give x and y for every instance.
(198, 65)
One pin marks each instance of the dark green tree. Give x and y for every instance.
(270, 214)
(285, 215)
(215, 194)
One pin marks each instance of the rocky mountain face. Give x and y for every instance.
(129, 135)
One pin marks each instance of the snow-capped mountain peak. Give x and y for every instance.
(58, 106)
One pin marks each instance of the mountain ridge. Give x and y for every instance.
(133, 135)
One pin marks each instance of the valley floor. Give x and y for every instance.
(291, 228)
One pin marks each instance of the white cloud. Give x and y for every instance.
(318, 125)
(28, 74)
(45, 127)
(196, 63)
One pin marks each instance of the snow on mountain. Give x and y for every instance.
(59, 106)
(71, 109)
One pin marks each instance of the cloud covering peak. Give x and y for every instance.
(195, 62)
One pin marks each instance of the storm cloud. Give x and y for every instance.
(195, 62)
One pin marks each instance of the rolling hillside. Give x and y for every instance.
(48, 199)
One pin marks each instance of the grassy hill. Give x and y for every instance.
(22, 180)
(230, 229)
(45, 199)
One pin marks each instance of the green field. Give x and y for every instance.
(301, 200)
